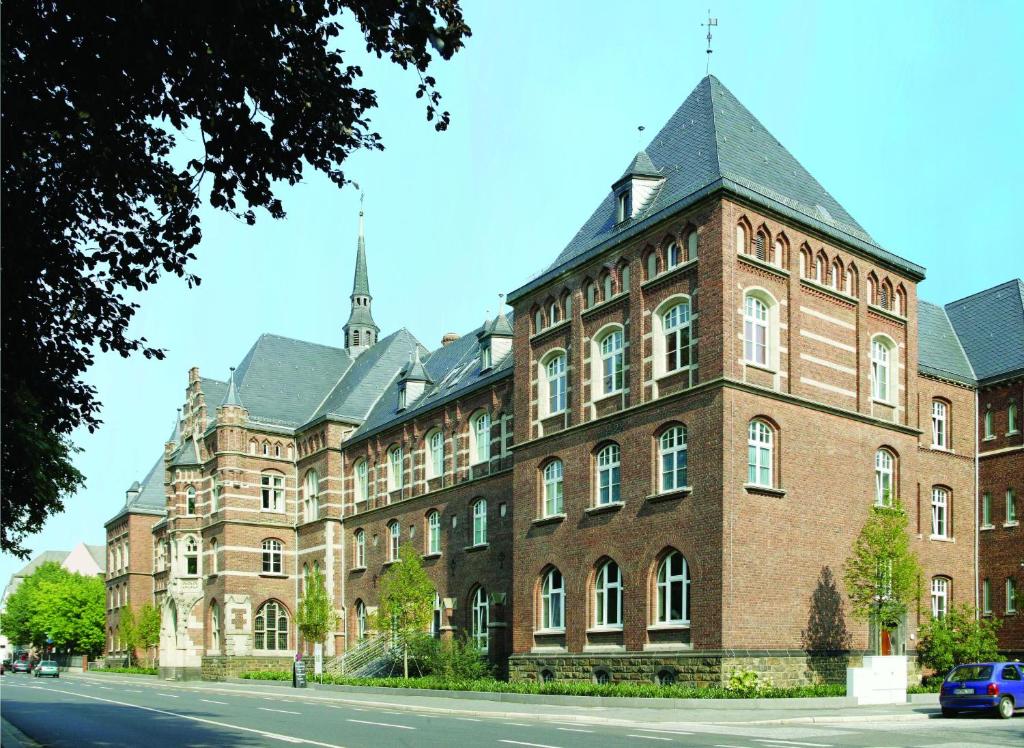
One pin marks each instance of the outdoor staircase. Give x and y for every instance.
(371, 657)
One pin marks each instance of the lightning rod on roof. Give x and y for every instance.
(710, 22)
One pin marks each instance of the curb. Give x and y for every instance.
(12, 737)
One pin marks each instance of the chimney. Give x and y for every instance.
(448, 338)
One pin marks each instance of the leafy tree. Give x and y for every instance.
(406, 601)
(314, 615)
(958, 637)
(148, 627)
(882, 574)
(100, 198)
(128, 631)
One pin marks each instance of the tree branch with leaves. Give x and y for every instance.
(406, 601)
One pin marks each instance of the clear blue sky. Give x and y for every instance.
(909, 113)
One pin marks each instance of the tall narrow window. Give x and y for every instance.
(819, 269)
(989, 431)
(538, 321)
(591, 295)
(835, 278)
(435, 463)
(755, 331)
(435, 619)
(552, 596)
(272, 492)
(1011, 419)
(553, 312)
(848, 282)
(986, 597)
(624, 209)
(652, 265)
(611, 362)
(553, 488)
(394, 537)
(191, 557)
(673, 254)
(479, 619)
(556, 382)
(673, 584)
(396, 469)
(608, 596)
(940, 424)
(608, 475)
(672, 453)
(885, 469)
(362, 481)
(270, 627)
(481, 430)
(986, 510)
(881, 370)
(213, 556)
(608, 288)
(360, 620)
(940, 597)
(691, 245)
(215, 492)
(311, 505)
(271, 556)
(759, 454)
(676, 327)
(741, 239)
(1011, 506)
(434, 532)
(360, 552)
(215, 627)
(940, 512)
(761, 247)
(1011, 595)
(190, 501)
(480, 522)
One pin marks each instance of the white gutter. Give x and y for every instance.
(977, 532)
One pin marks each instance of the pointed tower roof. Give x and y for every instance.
(176, 432)
(712, 143)
(415, 371)
(361, 281)
(640, 166)
(497, 326)
(231, 396)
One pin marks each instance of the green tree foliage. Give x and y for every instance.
(957, 638)
(882, 574)
(128, 631)
(148, 627)
(406, 600)
(101, 195)
(314, 615)
(54, 603)
(452, 659)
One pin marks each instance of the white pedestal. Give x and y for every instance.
(882, 680)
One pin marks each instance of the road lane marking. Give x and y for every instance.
(168, 695)
(382, 724)
(279, 711)
(211, 701)
(792, 742)
(649, 737)
(132, 690)
(467, 719)
(663, 732)
(515, 724)
(726, 745)
(265, 733)
(572, 729)
(532, 745)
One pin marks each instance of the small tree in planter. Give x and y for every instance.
(147, 626)
(406, 601)
(958, 637)
(882, 574)
(128, 630)
(314, 615)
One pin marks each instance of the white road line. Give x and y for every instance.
(211, 701)
(572, 729)
(105, 688)
(132, 690)
(663, 732)
(726, 745)
(792, 742)
(168, 695)
(467, 719)
(382, 724)
(649, 737)
(279, 711)
(265, 733)
(532, 745)
(515, 724)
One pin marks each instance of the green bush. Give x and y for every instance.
(456, 659)
(957, 638)
(266, 675)
(129, 670)
(747, 683)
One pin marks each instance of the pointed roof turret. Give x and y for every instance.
(231, 396)
(361, 281)
(414, 370)
(640, 166)
(360, 330)
(176, 433)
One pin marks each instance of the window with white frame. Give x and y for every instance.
(940, 424)
(1011, 419)
(652, 265)
(213, 556)
(552, 596)
(215, 626)
(271, 556)
(190, 500)
(673, 254)
(623, 206)
(360, 620)
(691, 245)
(553, 488)
(480, 522)
(986, 510)
(480, 430)
(819, 269)
(479, 619)
(608, 475)
(538, 321)
(741, 239)
(485, 356)
(672, 458)
(609, 289)
(940, 512)
(360, 549)
(612, 362)
(1011, 506)
(191, 556)
(435, 619)
(882, 369)
(940, 597)
(311, 504)
(756, 326)
(362, 472)
(433, 533)
(270, 627)
(396, 469)
(591, 295)
(760, 454)
(848, 282)
(272, 492)
(553, 313)
(885, 475)
(1011, 595)
(608, 596)
(555, 380)
(673, 590)
(435, 454)
(394, 538)
(676, 331)
(986, 597)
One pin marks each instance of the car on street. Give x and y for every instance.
(22, 666)
(988, 686)
(47, 668)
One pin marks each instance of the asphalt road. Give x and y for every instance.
(111, 711)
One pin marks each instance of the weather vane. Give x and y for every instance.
(711, 22)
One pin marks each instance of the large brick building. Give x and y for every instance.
(706, 391)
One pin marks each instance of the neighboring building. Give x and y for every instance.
(708, 390)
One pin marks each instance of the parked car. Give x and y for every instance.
(983, 686)
(22, 666)
(5, 665)
(48, 668)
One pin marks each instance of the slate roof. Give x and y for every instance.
(640, 166)
(990, 325)
(939, 352)
(214, 391)
(99, 555)
(143, 498)
(187, 454)
(713, 142)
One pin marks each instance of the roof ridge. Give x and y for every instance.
(299, 340)
(964, 299)
(714, 121)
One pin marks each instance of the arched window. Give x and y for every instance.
(553, 488)
(940, 597)
(835, 278)
(272, 492)
(480, 434)
(355, 337)
(591, 294)
(394, 537)
(940, 512)
(567, 304)
(609, 289)
(885, 296)
(885, 477)
(554, 313)
(805, 263)
(672, 458)
(311, 506)
(480, 522)
(214, 566)
(940, 424)
(360, 549)
(778, 252)
(433, 532)
(396, 469)
(190, 500)
(819, 269)
(538, 321)
(673, 588)
(271, 556)
(673, 254)
(555, 380)
(215, 492)
(612, 364)
(872, 286)
(652, 265)
(850, 284)
(608, 596)
(479, 618)
(760, 454)
(882, 369)
(900, 302)
(608, 475)
(191, 557)
(552, 596)
(215, 626)
(435, 454)
(271, 627)
(691, 245)
(362, 472)
(623, 276)
(675, 325)
(360, 620)
(989, 431)
(1011, 419)
(761, 246)
(756, 339)
(741, 239)
(253, 446)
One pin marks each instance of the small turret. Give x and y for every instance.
(413, 381)
(360, 330)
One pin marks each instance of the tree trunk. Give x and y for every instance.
(405, 659)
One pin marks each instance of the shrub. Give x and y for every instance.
(956, 638)
(455, 659)
(266, 675)
(747, 683)
(129, 670)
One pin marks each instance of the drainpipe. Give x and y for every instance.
(295, 553)
(977, 499)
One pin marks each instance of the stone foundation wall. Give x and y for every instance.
(221, 668)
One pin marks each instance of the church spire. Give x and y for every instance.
(360, 330)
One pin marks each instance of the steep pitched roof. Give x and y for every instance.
(713, 142)
(641, 166)
(990, 325)
(99, 555)
(187, 454)
(939, 352)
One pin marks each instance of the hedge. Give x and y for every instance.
(130, 670)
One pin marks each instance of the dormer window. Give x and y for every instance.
(485, 357)
(625, 206)
(402, 398)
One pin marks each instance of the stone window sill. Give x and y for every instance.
(987, 527)
(887, 312)
(431, 555)
(764, 490)
(1013, 433)
(667, 647)
(818, 286)
(354, 569)
(477, 547)
(549, 632)
(886, 403)
(1011, 612)
(273, 575)
(550, 328)
(940, 448)
(392, 561)
(611, 506)
(756, 262)
(597, 306)
(551, 519)
(669, 627)
(991, 438)
(608, 396)
(605, 629)
(682, 266)
(942, 538)
(676, 493)
(1015, 523)
(760, 367)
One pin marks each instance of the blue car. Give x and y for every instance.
(995, 686)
